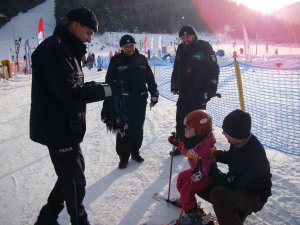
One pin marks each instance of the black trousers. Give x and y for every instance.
(131, 143)
(185, 106)
(69, 166)
(232, 206)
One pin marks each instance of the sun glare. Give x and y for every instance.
(265, 6)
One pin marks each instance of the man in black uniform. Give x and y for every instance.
(58, 107)
(194, 78)
(133, 69)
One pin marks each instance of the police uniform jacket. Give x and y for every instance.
(59, 94)
(195, 71)
(249, 168)
(136, 74)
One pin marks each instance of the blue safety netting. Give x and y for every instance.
(271, 96)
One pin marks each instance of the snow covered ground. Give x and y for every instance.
(113, 196)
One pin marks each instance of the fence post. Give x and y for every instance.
(239, 84)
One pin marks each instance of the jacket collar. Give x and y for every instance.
(69, 41)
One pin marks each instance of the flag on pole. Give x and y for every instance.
(159, 46)
(27, 57)
(41, 33)
(145, 45)
(152, 43)
(246, 43)
(152, 47)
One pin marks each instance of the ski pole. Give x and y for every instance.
(182, 208)
(170, 176)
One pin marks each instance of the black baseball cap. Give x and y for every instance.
(84, 16)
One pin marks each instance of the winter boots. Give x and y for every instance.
(37, 223)
(123, 164)
(191, 217)
(197, 216)
(137, 158)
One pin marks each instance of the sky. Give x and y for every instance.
(113, 196)
(266, 6)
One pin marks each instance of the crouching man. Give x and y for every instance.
(245, 188)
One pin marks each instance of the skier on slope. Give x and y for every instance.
(198, 141)
(99, 63)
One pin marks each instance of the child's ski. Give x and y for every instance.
(209, 219)
(172, 222)
(206, 220)
(173, 202)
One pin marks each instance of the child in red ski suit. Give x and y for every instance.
(199, 139)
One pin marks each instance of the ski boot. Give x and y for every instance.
(207, 218)
(37, 223)
(137, 158)
(191, 217)
(200, 210)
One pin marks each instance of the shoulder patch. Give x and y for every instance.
(213, 57)
(122, 68)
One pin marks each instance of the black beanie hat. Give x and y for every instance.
(125, 39)
(186, 30)
(84, 16)
(237, 124)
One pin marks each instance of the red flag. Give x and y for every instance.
(41, 35)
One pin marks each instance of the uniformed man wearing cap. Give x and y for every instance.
(133, 69)
(194, 77)
(58, 107)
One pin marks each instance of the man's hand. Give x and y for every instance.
(209, 95)
(218, 177)
(213, 171)
(153, 101)
(174, 90)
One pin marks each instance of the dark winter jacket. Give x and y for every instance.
(59, 94)
(249, 168)
(195, 71)
(136, 74)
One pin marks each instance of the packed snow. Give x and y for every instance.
(113, 196)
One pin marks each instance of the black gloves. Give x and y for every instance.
(214, 171)
(208, 95)
(212, 90)
(174, 90)
(154, 99)
(117, 87)
(173, 140)
(217, 175)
